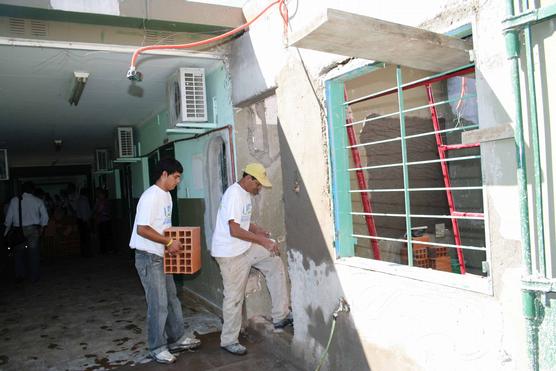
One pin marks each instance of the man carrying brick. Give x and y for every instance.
(165, 327)
(238, 245)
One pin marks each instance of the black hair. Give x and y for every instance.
(28, 187)
(245, 174)
(169, 165)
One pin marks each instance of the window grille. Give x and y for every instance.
(402, 177)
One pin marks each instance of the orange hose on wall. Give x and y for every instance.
(132, 74)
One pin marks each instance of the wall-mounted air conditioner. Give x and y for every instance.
(102, 160)
(125, 142)
(187, 97)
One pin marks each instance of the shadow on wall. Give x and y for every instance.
(316, 287)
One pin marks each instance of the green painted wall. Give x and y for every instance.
(219, 91)
(207, 282)
(192, 155)
(152, 134)
(139, 177)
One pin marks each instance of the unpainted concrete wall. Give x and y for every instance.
(396, 323)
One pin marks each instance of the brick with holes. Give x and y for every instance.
(188, 259)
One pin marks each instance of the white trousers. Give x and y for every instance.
(235, 272)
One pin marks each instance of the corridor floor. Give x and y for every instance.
(89, 314)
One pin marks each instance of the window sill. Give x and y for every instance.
(468, 282)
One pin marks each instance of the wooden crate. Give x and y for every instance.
(188, 259)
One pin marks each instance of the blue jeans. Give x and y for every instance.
(28, 256)
(164, 314)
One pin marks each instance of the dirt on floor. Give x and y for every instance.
(89, 314)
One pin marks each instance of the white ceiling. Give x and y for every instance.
(35, 84)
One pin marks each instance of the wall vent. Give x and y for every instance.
(159, 37)
(187, 96)
(39, 29)
(125, 142)
(17, 26)
(20, 27)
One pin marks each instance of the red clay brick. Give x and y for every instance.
(188, 259)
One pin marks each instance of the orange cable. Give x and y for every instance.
(283, 12)
(462, 94)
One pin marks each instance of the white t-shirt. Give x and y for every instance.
(155, 210)
(236, 206)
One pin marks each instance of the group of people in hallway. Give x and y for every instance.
(237, 245)
(33, 209)
(100, 214)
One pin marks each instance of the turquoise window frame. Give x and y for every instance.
(344, 243)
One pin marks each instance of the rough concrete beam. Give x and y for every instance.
(488, 134)
(356, 35)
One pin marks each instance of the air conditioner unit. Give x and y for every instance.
(125, 142)
(102, 160)
(187, 97)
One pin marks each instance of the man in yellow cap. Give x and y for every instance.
(238, 245)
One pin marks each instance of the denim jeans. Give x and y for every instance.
(164, 313)
(28, 256)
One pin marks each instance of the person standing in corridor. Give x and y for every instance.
(34, 218)
(103, 220)
(165, 327)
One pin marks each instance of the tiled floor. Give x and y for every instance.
(89, 314)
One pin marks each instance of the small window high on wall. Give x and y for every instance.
(406, 189)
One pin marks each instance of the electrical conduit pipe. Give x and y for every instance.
(528, 296)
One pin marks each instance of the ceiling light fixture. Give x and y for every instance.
(79, 81)
(58, 145)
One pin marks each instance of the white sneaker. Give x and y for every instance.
(185, 344)
(164, 357)
(236, 348)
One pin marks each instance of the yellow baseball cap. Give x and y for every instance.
(258, 172)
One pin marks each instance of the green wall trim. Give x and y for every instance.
(545, 13)
(358, 72)
(461, 32)
(145, 172)
(339, 168)
(117, 185)
(106, 20)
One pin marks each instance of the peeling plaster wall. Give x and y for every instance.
(256, 132)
